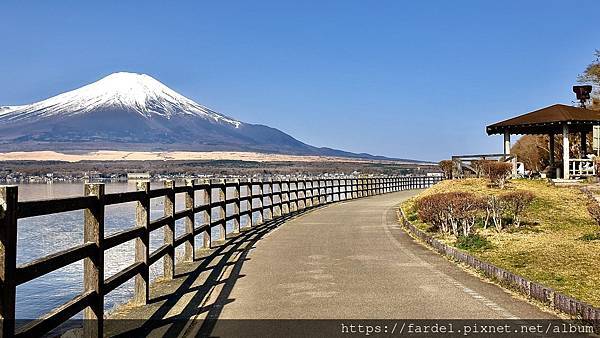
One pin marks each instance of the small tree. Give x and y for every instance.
(516, 202)
(446, 166)
(497, 172)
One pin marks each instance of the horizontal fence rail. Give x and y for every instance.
(268, 199)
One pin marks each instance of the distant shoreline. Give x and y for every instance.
(109, 155)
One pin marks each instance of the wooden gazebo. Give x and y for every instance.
(553, 120)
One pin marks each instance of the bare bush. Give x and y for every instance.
(446, 166)
(497, 209)
(516, 202)
(594, 209)
(497, 172)
(478, 166)
(452, 212)
(432, 210)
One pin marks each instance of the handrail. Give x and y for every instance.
(581, 167)
(266, 199)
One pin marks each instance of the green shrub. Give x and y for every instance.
(473, 242)
(590, 237)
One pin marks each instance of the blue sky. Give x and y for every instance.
(405, 79)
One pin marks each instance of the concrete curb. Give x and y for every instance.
(556, 300)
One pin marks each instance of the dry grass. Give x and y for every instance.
(548, 248)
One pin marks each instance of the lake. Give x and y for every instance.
(44, 235)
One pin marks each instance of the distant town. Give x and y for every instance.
(13, 172)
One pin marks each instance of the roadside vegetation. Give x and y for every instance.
(545, 233)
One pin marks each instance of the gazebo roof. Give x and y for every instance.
(548, 120)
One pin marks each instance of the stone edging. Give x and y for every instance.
(556, 300)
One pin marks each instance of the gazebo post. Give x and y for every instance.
(566, 151)
(583, 150)
(551, 149)
(506, 143)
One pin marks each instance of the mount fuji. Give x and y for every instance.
(135, 112)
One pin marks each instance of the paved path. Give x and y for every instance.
(346, 260)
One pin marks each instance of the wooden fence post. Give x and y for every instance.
(277, 206)
(189, 221)
(248, 199)
(311, 191)
(93, 266)
(271, 195)
(236, 207)
(319, 191)
(259, 194)
(292, 202)
(207, 234)
(8, 258)
(142, 246)
(169, 232)
(285, 196)
(222, 211)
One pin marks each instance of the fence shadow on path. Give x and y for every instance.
(196, 315)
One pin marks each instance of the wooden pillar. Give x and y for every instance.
(583, 140)
(566, 151)
(551, 148)
(169, 232)
(8, 258)
(142, 246)
(93, 266)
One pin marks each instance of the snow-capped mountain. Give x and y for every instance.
(128, 111)
(138, 93)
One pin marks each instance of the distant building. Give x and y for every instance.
(138, 176)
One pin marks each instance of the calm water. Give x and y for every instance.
(44, 235)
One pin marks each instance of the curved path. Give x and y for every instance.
(346, 260)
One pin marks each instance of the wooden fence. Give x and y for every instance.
(266, 199)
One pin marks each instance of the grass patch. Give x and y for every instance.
(558, 244)
(473, 243)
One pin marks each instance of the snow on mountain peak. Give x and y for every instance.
(129, 91)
